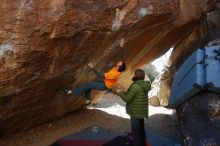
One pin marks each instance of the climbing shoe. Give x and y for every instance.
(67, 91)
(88, 102)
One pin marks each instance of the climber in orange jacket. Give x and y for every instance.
(109, 79)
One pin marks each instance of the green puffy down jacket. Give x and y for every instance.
(136, 99)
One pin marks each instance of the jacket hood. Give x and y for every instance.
(143, 84)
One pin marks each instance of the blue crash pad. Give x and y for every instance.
(97, 136)
(92, 136)
(212, 69)
(158, 140)
(201, 71)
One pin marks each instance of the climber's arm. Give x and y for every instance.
(98, 74)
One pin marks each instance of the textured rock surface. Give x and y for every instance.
(200, 119)
(46, 44)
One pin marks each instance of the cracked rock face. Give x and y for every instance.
(45, 46)
(199, 119)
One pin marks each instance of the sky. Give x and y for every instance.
(159, 63)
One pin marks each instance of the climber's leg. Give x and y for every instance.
(97, 85)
